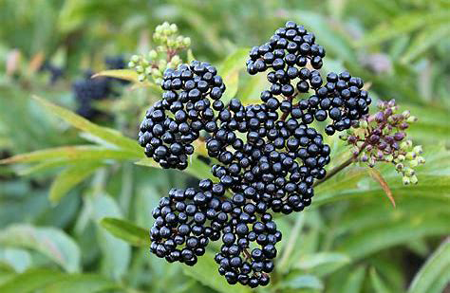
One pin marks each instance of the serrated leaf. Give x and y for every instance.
(110, 135)
(69, 178)
(51, 242)
(434, 275)
(126, 231)
(204, 267)
(230, 72)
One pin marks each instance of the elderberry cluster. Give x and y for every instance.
(88, 90)
(265, 156)
(174, 123)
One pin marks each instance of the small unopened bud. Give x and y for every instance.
(187, 42)
(389, 158)
(388, 112)
(152, 54)
(173, 28)
(411, 119)
(371, 162)
(382, 145)
(409, 172)
(352, 139)
(364, 124)
(141, 77)
(413, 179)
(374, 139)
(410, 155)
(391, 103)
(418, 149)
(135, 58)
(379, 117)
(400, 158)
(389, 139)
(406, 114)
(406, 180)
(399, 136)
(421, 160)
(364, 158)
(413, 163)
(403, 126)
(399, 167)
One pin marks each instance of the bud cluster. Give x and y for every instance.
(381, 137)
(165, 55)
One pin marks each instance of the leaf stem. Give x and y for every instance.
(341, 167)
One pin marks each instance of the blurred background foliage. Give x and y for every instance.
(74, 218)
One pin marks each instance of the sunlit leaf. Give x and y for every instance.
(377, 283)
(114, 264)
(230, 72)
(30, 281)
(69, 178)
(126, 231)
(434, 274)
(107, 134)
(51, 242)
(302, 282)
(70, 154)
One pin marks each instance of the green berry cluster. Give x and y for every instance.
(381, 137)
(169, 43)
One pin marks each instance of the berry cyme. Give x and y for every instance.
(266, 157)
(174, 123)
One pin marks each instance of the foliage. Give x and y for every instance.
(76, 195)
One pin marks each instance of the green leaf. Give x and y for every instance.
(426, 39)
(322, 263)
(230, 72)
(69, 178)
(72, 153)
(434, 274)
(127, 231)
(393, 233)
(110, 135)
(354, 282)
(30, 281)
(377, 283)
(53, 281)
(80, 283)
(124, 74)
(204, 267)
(51, 242)
(403, 24)
(302, 282)
(114, 264)
(18, 259)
